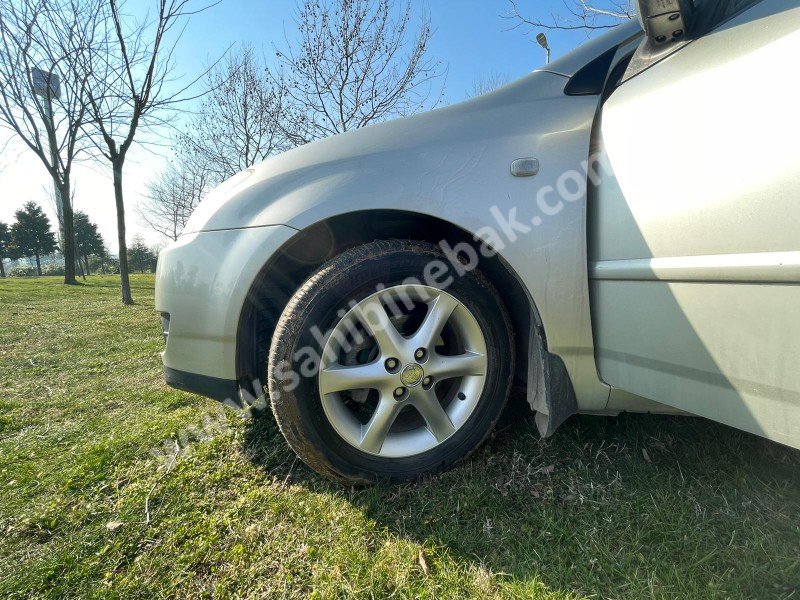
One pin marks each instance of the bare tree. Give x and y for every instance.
(238, 123)
(172, 196)
(41, 42)
(355, 62)
(487, 83)
(133, 89)
(588, 15)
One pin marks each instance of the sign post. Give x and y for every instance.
(48, 86)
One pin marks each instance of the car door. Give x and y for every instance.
(695, 237)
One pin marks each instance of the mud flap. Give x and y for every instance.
(550, 391)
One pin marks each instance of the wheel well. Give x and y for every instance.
(288, 268)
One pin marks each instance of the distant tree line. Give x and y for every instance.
(31, 236)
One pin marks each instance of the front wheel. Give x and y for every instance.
(379, 371)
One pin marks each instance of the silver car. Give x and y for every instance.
(618, 231)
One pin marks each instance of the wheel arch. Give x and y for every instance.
(305, 252)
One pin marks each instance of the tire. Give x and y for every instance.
(464, 371)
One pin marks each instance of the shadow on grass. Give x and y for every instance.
(631, 505)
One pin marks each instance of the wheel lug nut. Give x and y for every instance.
(391, 363)
(420, 353)
(427, 381)
(399, 392)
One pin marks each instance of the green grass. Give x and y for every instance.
(635, 506)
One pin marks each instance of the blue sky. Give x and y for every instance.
(471, 39)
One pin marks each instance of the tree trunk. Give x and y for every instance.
(123, 246)
(86, 262)
(69, 235)
(2, 268)
(38, 265)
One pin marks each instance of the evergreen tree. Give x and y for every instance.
(88, 241)
(31, 234)
(140, 257)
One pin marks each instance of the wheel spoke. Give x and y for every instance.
(439, 311)
(445, 367)
(373, 316)
(338, 378)
(371, 331)
(377, 429)
(428, 405)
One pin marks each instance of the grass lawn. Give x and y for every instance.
(635, 506)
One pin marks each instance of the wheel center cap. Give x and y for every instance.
(411, 375)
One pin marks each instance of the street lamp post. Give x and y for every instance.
(542, 39)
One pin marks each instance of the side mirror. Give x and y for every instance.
(667, 25)
(665, 21)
